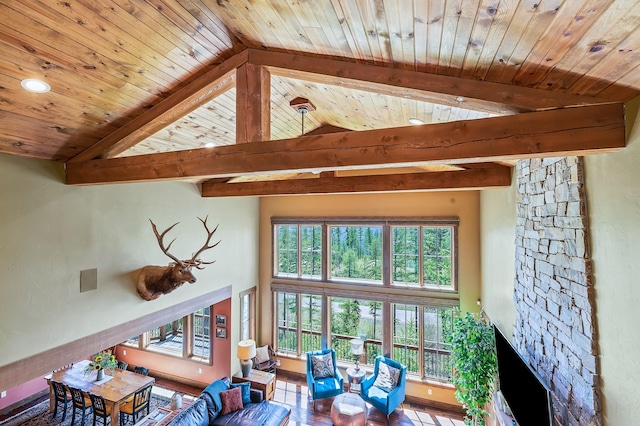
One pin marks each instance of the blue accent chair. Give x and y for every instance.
(379, 398)
(325, 387)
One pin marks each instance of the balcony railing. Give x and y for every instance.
(436, 361)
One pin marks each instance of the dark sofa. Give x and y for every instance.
(205, 410)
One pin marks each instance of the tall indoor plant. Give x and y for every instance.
(473, 354)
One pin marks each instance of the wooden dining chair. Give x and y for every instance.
(138, 404)
(141, 370)
(122, 365)
(81, 403)
(100, 409)
(60, 398)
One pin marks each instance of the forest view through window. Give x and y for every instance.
(399, 256)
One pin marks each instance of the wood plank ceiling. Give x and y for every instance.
(367, 66)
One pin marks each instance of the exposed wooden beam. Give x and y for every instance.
(486, 176)
(182, 102)
(253, 104)
(445, 90)
(572, 131)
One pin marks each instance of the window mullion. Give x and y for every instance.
(421, 256)
(299, 253)
(326, 322)
(386, 255)
(325, 253)
(187, 336)
(299, 324)
(387, 330)
(421, 372)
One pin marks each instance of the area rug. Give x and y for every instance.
(39, 414)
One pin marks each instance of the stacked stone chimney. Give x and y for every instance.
(555, 326)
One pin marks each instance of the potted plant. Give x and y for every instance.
(473, 356)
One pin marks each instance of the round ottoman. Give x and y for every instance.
(348, 409)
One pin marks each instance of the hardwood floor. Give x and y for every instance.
(292, 390)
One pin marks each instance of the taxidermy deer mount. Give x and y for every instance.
(154, 281)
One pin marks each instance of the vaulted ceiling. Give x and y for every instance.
(139, 88)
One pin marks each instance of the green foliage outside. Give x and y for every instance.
(356, 252)
(474, 365)
(436, 252)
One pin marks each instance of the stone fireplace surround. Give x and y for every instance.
(555, 326)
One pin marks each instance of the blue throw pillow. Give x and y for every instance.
(246, 391)
(213, 390)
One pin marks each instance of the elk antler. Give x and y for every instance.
(194, 260)
(160, 238)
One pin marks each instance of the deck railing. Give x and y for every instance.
(436, 360)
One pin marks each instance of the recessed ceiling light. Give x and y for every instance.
(415, 121)
(209, 145)
(35, 86)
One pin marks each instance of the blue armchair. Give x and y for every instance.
(324, 387)
(384, 396)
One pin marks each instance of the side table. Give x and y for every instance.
(261, 380)
(354, 377)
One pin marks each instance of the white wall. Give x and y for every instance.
(49, 232)
(613, 197)
(497, 248)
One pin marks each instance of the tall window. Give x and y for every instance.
(405, 336)
(188, 337)
(356, 319)
(248, 314)
(287, 322)
(298, 251)
(310, 322)
(356, 253)
(398, 271)
(422, 256)
(202, 333)
(437, 325)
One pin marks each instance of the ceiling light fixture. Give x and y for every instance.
(302, 106)
(35, 85)
(416, 121)
(209, 145)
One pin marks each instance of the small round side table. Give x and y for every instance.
(355, 377)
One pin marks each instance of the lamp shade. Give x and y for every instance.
(246, 349)
(357, 347)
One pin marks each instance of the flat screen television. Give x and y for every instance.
(528, 397)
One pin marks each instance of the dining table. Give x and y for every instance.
(115, 388)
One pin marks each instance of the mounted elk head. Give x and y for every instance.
(154, 281)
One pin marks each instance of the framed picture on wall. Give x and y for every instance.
(221, 333)
(221, 320)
